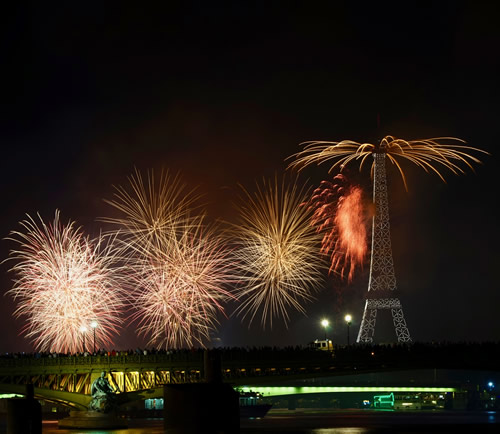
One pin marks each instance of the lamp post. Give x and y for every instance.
(83, 329)
(348, 320)
(94, 325)
(325, 323)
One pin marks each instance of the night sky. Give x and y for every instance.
(224, 93)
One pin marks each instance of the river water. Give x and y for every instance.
(333, 422)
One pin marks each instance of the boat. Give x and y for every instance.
(251, 405)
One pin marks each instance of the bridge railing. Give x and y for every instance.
(359, 357)
(70, 360)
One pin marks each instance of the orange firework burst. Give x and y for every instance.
(339, 213)
(351, 224)
(429, 154)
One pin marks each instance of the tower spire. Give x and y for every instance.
(382, 280)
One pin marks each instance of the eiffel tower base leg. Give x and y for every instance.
(372, 305)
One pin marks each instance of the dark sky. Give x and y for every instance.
(224, 93)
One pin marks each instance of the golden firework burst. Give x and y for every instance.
(276, 252)
(430, 154)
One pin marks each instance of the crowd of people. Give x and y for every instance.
(99, 352)
(460, 351)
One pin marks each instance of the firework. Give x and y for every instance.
(180, 291)
(276, 252)
(151, 208)
(64, 282)
(429, 154)
(338, 213)
(178, 265)
(432, 155)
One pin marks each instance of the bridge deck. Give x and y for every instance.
(239, 366)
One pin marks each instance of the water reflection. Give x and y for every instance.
(151, 426)
(340, 422)
(354, 430)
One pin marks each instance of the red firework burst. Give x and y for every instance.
(338, 211)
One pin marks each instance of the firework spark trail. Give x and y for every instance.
(351, 224)
(429, 154)
(338, 213)
(152, 208)
(276, 253)
(179, 266)
(64, 281)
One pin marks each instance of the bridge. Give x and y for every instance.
(67, 378)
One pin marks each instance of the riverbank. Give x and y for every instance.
(309, 421)
(331, 421)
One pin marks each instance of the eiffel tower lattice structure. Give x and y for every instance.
(382, 280)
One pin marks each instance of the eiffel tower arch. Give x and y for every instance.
(382, 280)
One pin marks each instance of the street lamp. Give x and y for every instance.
(94, 325)
(325, 323)
(83, 329)
(348, 320)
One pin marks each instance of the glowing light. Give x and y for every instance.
(64, 279)
(178, 266)
(325, 323)
(348, 319)
(278, 391)
(276, 252)
(338, 212)
(429, 154)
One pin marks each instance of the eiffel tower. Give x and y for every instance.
(382, 281)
